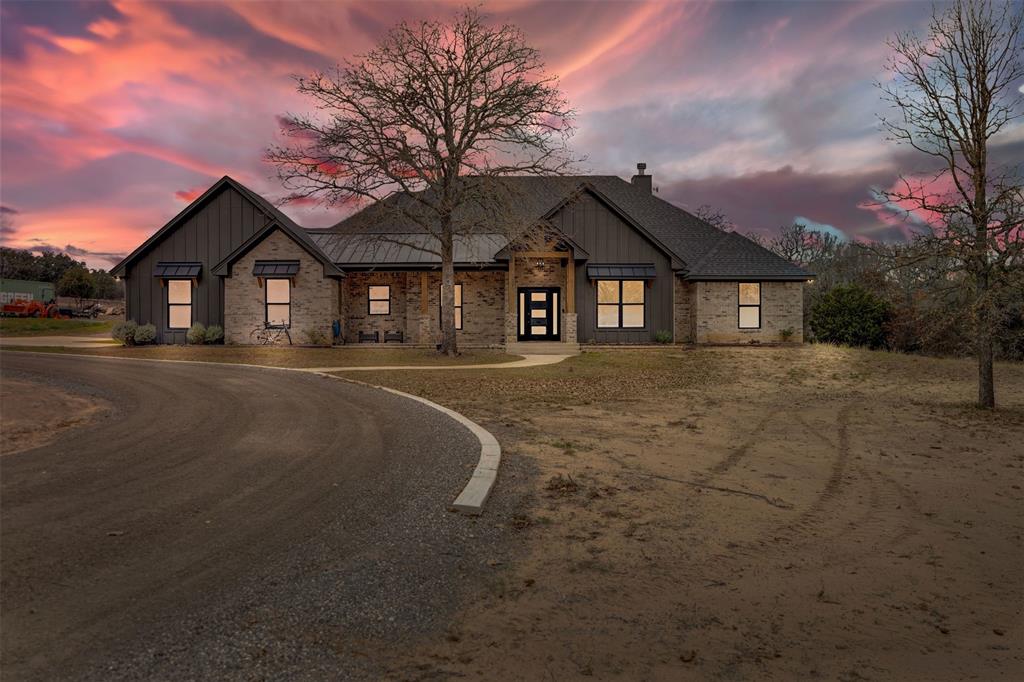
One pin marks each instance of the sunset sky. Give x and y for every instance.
(115, 115)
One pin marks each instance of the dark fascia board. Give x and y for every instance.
(676, 261)
(223, 268)
(119, 269)
(389, 267)
(748, 278)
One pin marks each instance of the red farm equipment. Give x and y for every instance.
(32, 309)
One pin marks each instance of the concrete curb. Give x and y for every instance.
(472, 498)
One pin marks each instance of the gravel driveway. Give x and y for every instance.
(226, 522)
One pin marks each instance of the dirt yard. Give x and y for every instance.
(745, 514)
(32, 413)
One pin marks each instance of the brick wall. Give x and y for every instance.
(483, 306)
(357, 317)
(314, 298)
(715, 312)
(682, 310)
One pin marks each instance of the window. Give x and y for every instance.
(620, 304)
(458, 305)
(750, 305)
(279, 302)
(380, 300)
(179, 304)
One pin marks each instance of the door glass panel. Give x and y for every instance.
(538, 330)
(632, 316)
(633, 291)
(608, 291)
(539, 313)
(522, 313)
(557, 314)
(539, 296)
(608, 316)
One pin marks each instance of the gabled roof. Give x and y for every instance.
(297, 234)
(683, 236)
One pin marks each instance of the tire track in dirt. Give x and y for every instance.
(741, 451)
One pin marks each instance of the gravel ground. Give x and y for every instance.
(322, 565)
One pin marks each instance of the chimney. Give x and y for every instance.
(640, 180)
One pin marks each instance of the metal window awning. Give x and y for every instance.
(275, 268)
(177, 270)
(631, 271)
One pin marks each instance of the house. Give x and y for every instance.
(616, 265)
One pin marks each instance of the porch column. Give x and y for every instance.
(569, 334)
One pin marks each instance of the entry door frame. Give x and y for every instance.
(527, 300)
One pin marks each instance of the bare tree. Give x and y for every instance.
(953, 92)
(422, 127)
(715, 217)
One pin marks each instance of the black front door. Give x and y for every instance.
(538, 314)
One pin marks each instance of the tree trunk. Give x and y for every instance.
(983, 346)
(449, 344)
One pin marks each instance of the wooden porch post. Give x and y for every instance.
(570, 285)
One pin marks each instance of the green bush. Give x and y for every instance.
(850, 315)
(145, 333)
(787, 333)
(214, 334)
(315, 337)
(196, 334)
(663, 336)
(125, 332)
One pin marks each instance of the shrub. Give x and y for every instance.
(145, 333)
(196, 333)
(787, 333)
(214, 334)
(663, 336)
(314, 336)
(850, 315)
(125, 332)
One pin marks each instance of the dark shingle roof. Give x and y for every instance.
(177, 270)
(685, 236)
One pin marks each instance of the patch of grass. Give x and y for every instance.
(44, 326)
(291, 356)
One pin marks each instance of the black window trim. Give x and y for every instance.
(741, 306)
(191, 301)
(369, 300)
(458, 319)
(267, 303)
(598, 304)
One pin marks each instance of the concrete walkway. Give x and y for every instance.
(527, 361)
(67, 341)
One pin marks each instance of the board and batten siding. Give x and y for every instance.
(212, 232)
(609, 239)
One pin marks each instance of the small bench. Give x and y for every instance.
(398, 337)
(368, 337)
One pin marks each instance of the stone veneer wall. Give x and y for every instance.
(314, 298)
(716, 314)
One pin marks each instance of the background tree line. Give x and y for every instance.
(902, 296)
(71, 278)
